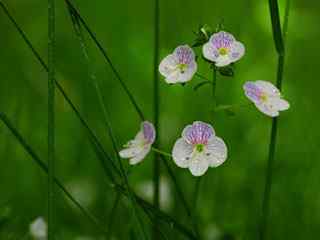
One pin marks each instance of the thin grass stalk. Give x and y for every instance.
(156, 96)
(144, 204)
(44, 167)
(279, 41)
(92, 135)
(107, 58)
(112, 215)
(99, 150)
(51, 120)
(214, 104)
(77, 29)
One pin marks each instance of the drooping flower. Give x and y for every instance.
(180, 66)
(266, 97)
(137, 149)
(199, 148)
(223, 49)
(38, 229)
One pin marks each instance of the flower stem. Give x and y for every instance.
(279, 40)
(156, 95)
(51, 116)
(166, 154)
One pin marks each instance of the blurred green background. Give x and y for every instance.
(230, 196)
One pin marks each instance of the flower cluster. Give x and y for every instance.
(199, 148)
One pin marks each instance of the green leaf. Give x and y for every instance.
(226, 71)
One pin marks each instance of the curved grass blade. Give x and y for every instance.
(51, 119)
(44, 167)
(103, 156)
(90, 132)
(106, 57)
(78, 32)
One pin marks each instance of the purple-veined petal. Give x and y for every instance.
(268, 88)
(222, 40)
(252, 91)
(236, 52)
(198, 133)
(210, 52)
(184, 54)
(149, 131)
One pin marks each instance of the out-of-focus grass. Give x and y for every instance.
(231, 195)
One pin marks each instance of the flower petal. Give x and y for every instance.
(182, 152)
(198, 132)
(281, 104)
(198, 164)
(216, 151)
(168, 65)
(252, 91)
(268, 109)
(222, 40)
(149, 132)
(268, 88)
(210, 52)
(141, 155)
(184, 54)
(223, 61)
(236, 52)
(131, 151)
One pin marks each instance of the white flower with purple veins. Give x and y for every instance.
(199, 149)
(180, 66)
(223, 49)
(137, 149)
(266, 97)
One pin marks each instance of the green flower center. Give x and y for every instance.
(223, 51)
(263, 97)
(182, 67)
(200, 147)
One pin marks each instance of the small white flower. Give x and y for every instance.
(137, 149)
(223, 49)
(266, 97)
(180, 66)
(38, 229)
(199, 149)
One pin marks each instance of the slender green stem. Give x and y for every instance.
(161, 152)
(44, 167)
(177, 187)
(93, 138)
(51, 116)
(77, 29)
(156, 99)
(103, 155)
(144, 204)
(112, 215)
(202, 77)
(280, 47)
(107, 58)
(214, 85)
